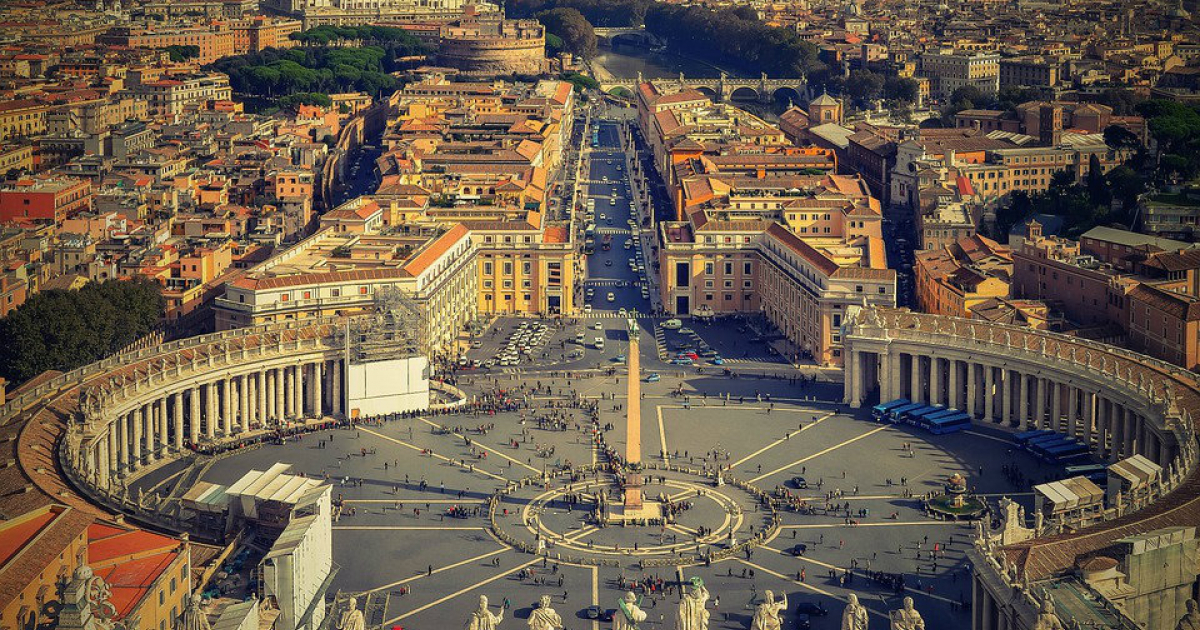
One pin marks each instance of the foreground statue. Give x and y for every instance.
(855, 615)
(483, 619)
(352, 617)
(543, 617)
(628, 615)
(1047, 620)
(1191, 620)
(766, 616)
(907, 618)
(692, 612)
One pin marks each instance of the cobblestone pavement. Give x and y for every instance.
(395, 536)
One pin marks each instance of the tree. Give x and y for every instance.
(554, 45)
(864, 85)
(578, 36)
(180, 53)
(1120, 138)
(581, 82)
(900, 90)
(62, 330)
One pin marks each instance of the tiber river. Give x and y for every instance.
(626, 61)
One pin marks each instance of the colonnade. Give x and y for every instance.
(1005, 392)
(232, 403)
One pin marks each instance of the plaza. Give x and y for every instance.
(414, 492)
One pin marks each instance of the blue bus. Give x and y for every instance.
(1096, 473)
(896, 413)
(1043, 439)
(948, 424)
(943, 414)
(1064, 452)
(1025, 436)
(881, 410)
(914, 416)
(1040, 447)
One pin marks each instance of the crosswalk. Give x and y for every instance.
(614, 315)
(614, 231)
(604, 282)
(755, 359)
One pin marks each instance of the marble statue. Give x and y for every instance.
(628, 614)
(855, 615)
(692, 612)
(543, 617)
(1046, 619)
(1191, 620)
(907, 618)
(352, 618)
(766, 616)
(484, 619)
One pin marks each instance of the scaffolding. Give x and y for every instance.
(393, 331)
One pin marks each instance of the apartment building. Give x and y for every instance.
(22, 118)
(169, 97)
(51, 199)
(1028, 72)
(949, 71)
(956, 278)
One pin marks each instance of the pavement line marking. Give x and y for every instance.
(806, 585)
(876, 497)
(466, 589)
(842, 569)
(818, 454)
(893, 523)
(662, 436)
(438, 570)
(781, 440)
(480, 445)
(441, 457)
(405, 528)
(595, 594)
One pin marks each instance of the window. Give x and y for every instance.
(284, 297)
(487, 268)
(362, 290)
(708, 269)
(747, 268)
(308, 295)
(729, 269)
(337, 293)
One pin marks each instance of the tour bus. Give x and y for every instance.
(894, 414)
(914, 416)
(1096, 473)
(1064, 452)
(881, 410)
(1044, 440)
(944, 413)
(947, 424)
(1023, 437)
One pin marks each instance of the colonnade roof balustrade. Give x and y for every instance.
(1170, 392)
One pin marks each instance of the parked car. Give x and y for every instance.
(653, 378)
(672, 324)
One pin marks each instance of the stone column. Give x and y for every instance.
(112, 447)
(1126, 448)
(177, 439)
(972, 386)
(977, 594)
(151, 429)
(101, 458)
(955, 399)
(1023, 389)
(194, 415)
(280, 396)
(138, 417)
(317, 381)
(226, 406)
(210, 410)
(935, 381)
(260, 396)
(1089, 411)
(1056, 395)
(853, 376)
(123, 441)
(1006, 396)
(271, 398)
(989, 396)
(163, 421)
(915, 385)
(335, 377)
(1103, 415)
(289, 392)
(244, 403)
(299, 404)
(1072, 412)
(1039, 405)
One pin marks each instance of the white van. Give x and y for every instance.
(599, 343)
(672, 324)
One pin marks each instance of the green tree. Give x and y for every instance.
(864, 85)
(62, 330)
(180, 53)
(578, 36)
(900, 90)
